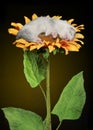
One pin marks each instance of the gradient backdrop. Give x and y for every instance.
(14, 89)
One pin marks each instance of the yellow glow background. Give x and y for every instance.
(14, 89)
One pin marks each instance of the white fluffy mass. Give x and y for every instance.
(48, 26)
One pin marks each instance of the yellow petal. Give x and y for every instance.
(20, 45)
(20, 41)
(57, 40)
(70, 21)
(34, 16)
(13, 31)
(17, 25)
(75, 44)
(48, 16)
(46, 42)
(79, 41)
(74, 24)
(27, 20)
(66, 52)
(28, 44)
(51, 48)
(39, 46)
(78, 28)
(58, 45)
(57, 17)
(81, 26)
(79, 35)
(72, 47)
(32, 48)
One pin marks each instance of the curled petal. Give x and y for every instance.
(77, 40)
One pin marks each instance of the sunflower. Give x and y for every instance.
(48, 41)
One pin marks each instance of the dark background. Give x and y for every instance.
(14, 89)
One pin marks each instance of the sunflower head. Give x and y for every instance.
(51, 42)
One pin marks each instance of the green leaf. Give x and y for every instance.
(72, 99)
(34, 68)
(20, 119)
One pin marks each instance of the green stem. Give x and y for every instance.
(48, 102)
(58, 126)
(43, 92)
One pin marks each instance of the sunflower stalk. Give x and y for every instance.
(48, 101)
